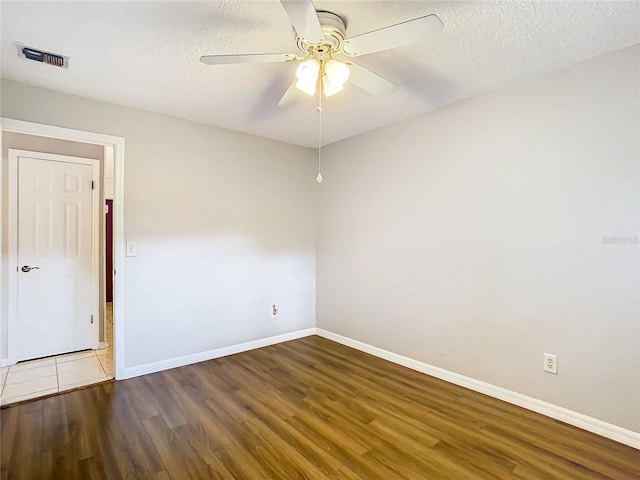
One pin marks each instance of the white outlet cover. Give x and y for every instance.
(551, 363)
(131, 248)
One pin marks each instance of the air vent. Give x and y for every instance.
(42, 56)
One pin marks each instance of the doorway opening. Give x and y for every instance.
(107, 352)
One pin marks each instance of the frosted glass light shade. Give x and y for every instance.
(307, 74)
(308, 88)
(337, 72)
(329, 87)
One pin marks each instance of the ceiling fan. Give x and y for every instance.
(321, 36)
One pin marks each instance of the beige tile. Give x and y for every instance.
(19, 398)
(106, 360)
(105, 352)
(69, 357)
(30, 374)
(71, 373)
(32, 364)
(81, 383)
(32, 386)
(107, 364)
(81, 364)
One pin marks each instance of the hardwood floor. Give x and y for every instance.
(306, 409)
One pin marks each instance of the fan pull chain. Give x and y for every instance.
(319, 177)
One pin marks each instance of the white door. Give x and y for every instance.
(54, 256)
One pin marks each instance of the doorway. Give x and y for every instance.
(116, 146)
(54, 214)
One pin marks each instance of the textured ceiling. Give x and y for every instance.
(145, 55)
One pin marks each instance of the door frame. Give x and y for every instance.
(118, 144)
(12, 226)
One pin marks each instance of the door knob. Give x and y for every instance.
(27, 268)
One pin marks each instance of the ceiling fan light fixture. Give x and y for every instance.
(338, 73)
(307, 87)
(308, 70)
(307, 74)
(329, 88)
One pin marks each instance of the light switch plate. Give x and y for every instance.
(131, 248)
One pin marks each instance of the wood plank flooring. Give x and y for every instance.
(305, 409)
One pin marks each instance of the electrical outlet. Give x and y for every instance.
(274, 310)
(131, 248)
(551, 363)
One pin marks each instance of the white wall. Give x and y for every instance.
(223, 222)
(471, 238)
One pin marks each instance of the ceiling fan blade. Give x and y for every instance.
(247, 58)
(304, 19)
(289, 96)
(411, 32)
(369, 81)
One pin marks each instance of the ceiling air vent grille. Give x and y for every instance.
(42, 56)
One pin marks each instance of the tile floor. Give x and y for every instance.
(37, 378)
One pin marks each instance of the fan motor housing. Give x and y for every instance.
(334, 30)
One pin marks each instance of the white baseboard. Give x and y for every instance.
(613, 432)
(211, 354)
